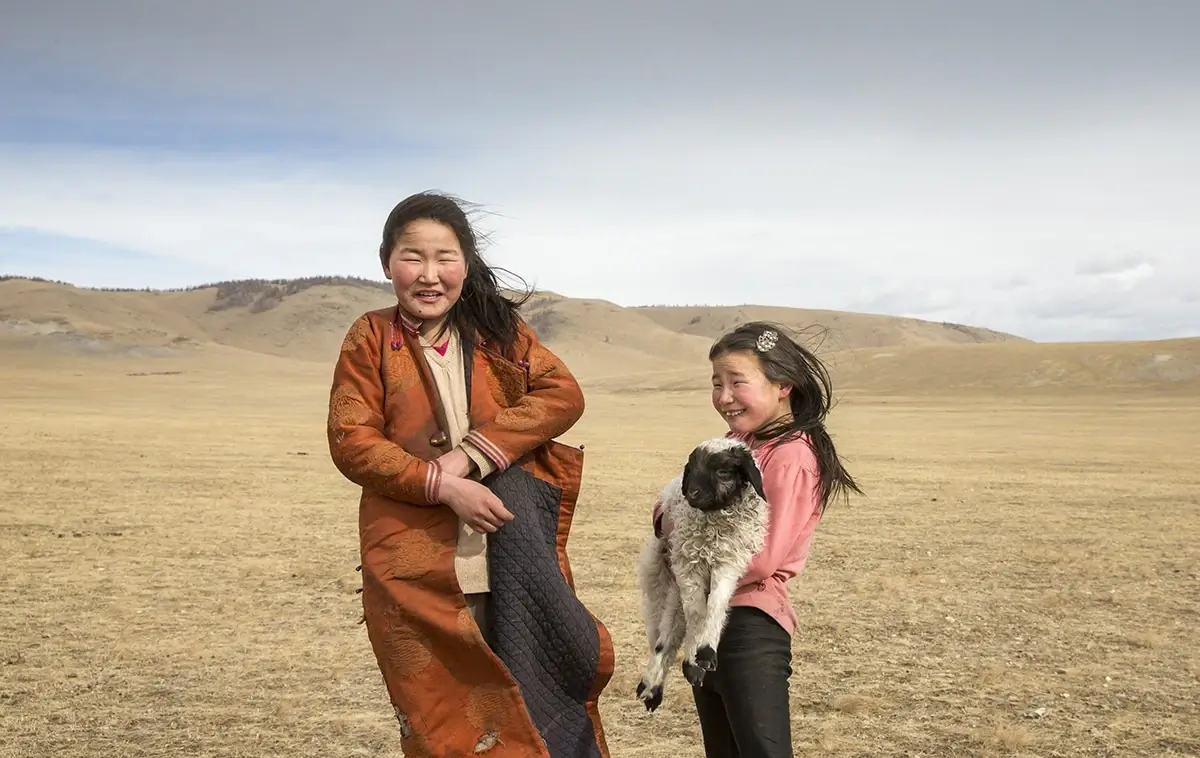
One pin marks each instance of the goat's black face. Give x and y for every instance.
(714, 479)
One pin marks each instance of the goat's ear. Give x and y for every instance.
(687, 473)
(753, 475)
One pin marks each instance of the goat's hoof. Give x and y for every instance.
(651, 698)
(693, 673)
(706, 658)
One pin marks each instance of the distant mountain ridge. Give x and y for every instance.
(228, 286)
(260, 295)
(263, 294)
(626, 349)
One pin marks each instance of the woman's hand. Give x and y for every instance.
(456, 463)
(474, 504)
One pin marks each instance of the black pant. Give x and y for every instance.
(743, 704)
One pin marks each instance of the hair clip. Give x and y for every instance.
(766, 340)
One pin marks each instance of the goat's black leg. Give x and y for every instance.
(670, 637)
(703, 657)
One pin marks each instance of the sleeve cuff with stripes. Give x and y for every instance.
(433, 482)
(485, 446)
(482, 463)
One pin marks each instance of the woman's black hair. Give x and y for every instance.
(784, 361)
(482, 309)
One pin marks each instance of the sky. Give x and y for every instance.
(1029, 167)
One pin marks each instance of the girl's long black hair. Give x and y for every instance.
(786, 362)
(482, 309)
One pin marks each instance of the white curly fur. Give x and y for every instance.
(687, 578)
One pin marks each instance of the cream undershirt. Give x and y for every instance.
(470, 561)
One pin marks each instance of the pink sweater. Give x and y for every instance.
(790, 483)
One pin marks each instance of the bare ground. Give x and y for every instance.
(177, 573)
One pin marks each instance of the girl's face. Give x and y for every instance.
(743, 394)
(427, 268)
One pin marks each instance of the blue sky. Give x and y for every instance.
(1029, 167)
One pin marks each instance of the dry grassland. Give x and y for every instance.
(177, 572)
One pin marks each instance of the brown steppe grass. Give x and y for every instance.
(177, 568)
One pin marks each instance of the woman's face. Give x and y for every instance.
(427, 268)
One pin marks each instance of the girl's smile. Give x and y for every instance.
(743, 394)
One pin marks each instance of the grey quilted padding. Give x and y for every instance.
(538, 628)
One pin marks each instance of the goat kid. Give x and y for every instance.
(718, 513)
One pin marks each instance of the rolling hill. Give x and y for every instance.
(1158, 367)
(841, 330)
(608, 346)
(306, 319)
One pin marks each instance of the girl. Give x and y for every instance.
(775, 395)
(444, 409)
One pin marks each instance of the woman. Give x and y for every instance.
(444, 409)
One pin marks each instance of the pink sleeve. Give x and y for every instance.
(790, 486)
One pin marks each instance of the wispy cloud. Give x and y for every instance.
(991, 166)
(28, 252)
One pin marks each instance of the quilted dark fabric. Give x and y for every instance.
(538, 628)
